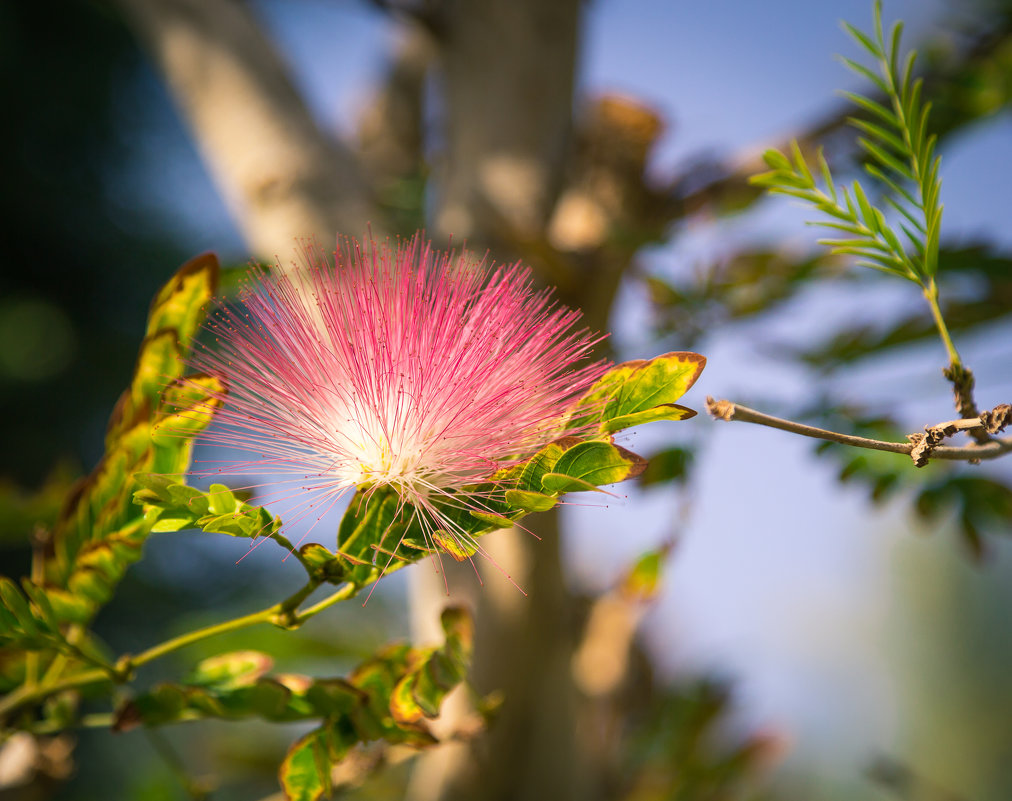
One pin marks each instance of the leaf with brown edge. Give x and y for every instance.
(179, 305)
(666, 411)
(662, 380)
(157, 364)
(100, 529)
(453, 545)
(230, 670)
(403, 707)
(305, 770)
(187, 407)
(640, 391)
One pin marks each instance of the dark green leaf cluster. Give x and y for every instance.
(171, 506)
(101, 530)
(900, 157)
(394, 693)
(390, 696)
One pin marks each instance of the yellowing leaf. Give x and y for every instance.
(666, 411)
(179, 304)
(305, 771)
(662, 380)
(453, 545)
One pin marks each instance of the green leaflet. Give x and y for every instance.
(666, 411)
(305, 771)
(230, 670)
(371, 524)
(529, 501)
(179, 304)
(590, 464)
(100, 530)
(171, 506)
(639, 392)
(187, 407)
(394, 693)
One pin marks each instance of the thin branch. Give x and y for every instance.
(727, 410)
(284, 613)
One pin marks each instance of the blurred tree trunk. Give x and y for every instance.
(508, 71)
(280, 175)
(507, 74)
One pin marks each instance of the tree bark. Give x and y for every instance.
(508, 72)
(280, 175)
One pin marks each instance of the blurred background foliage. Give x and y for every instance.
(85, 253)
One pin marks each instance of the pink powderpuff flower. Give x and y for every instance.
(405, 368)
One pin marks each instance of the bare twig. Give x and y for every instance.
(997, 419)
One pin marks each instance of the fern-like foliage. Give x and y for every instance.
(900, 158)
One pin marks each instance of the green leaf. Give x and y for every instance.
(171, 506)
(873, 108)
(179, 305)
(541, 463)
(326, 565)
(369, 524)
(589, 465)
(157, 363)
(491, 518)
(643, 581)
(863, 71)
(885, 158)
(220, 499)
(404, 709)
(661, 380)
(560, 483)
(334, 697)
(305, 771)
(230, 670)
(863, 39)
(894, 48)
(666, 411)
(776, 160)
(637, 386)
(667, 466)
(455, 545)
(187, 407)
(17, 604)
(880, 133)
(530, 501)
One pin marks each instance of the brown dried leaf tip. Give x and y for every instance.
(995, 420)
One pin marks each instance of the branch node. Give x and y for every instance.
(995, 420)
(720, 409)
(962, 389)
